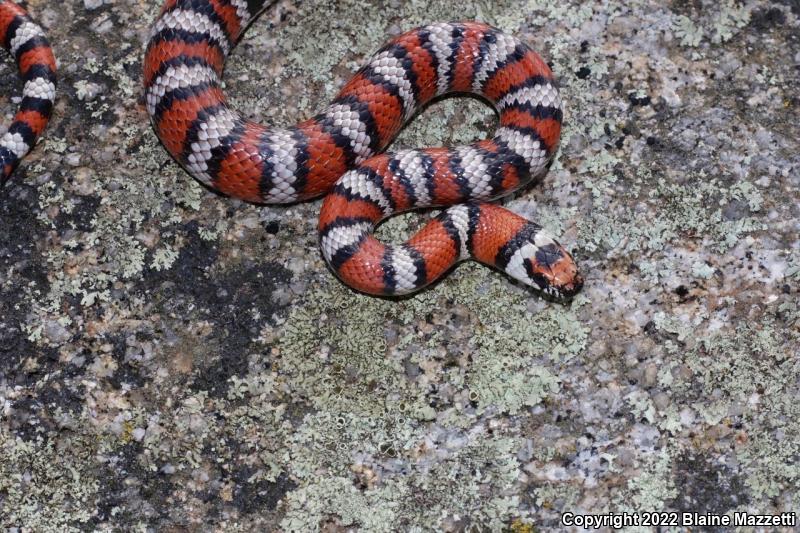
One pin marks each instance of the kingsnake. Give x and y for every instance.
(334, 152)
(26, 41)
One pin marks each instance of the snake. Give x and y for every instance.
(340, 153)
(26, 41)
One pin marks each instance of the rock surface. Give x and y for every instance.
(172, 359)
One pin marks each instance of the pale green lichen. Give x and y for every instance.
(695, 209)
(702, 270)
(318, 340)
(367, 405)
(134, 193)
(330, 497)
(753, 368)
(721, 23)
(46, 485)
(651, 489)
(760, 371)
(731, 17)
(503, 376)
(793, 266)
(672, 324)
(164, 258)
(452, 488)
(641, 406)
(506, 383)
(249, 415)
(548, 495)
(686, 30)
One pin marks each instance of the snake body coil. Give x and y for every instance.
(26, 41)
(335, 151)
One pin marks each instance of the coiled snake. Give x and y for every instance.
(334, 153)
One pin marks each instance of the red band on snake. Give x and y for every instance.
(334, 153)
(26, 41)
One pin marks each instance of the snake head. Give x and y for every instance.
(542, 263)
